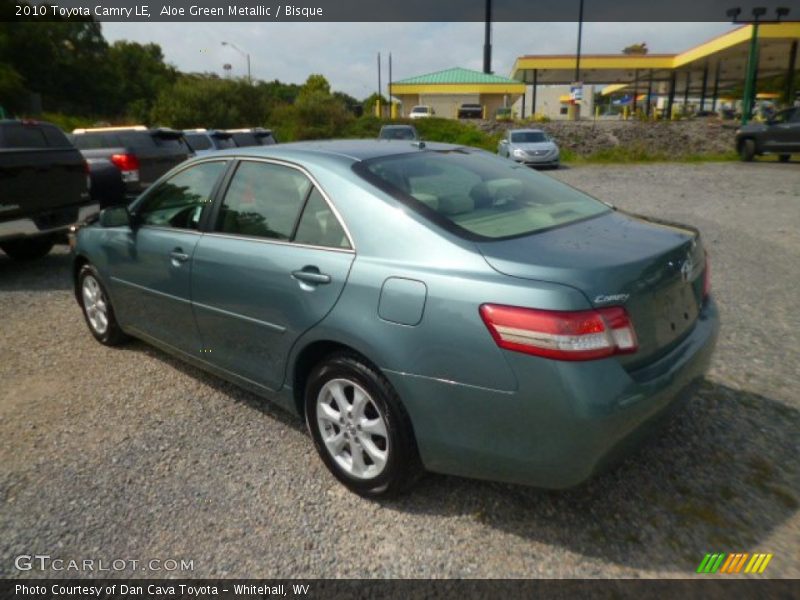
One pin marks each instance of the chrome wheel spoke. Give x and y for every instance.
(377, 455)
(337, 391)
(374, 426)
(336, 443)
(360, 400)
(326, 411)
(357, 456)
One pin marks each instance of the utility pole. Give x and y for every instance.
(378, 101)
(487, 41)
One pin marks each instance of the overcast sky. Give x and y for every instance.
(346, 53)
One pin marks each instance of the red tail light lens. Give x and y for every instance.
(561, 335)
(128, 164)
(707, 277)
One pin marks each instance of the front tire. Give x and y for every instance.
(360, 428)
(28, 248)
(747, 150)
(97, 309)
(784, 157)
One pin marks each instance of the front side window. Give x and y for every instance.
(179, 201)
(477, 195)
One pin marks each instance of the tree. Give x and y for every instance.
(369, 103)
(636, 49)
(204, 101)
(141, 74)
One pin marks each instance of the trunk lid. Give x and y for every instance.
(653, 269)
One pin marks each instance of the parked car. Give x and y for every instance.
(142, 155)
(253, 136)
(780, 135)
(43, 187)
(205, 141)
(426, 306)
(398, 132)
(529, 146)
(470, 111)
(421, 112)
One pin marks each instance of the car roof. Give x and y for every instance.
(351, 150)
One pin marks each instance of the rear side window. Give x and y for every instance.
(17, 135)
(198, 141)
(478, 195)
(179, 201)
(223, 141)
(243, 139)
(263, 200)
(319, 226)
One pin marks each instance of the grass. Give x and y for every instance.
(633, 155)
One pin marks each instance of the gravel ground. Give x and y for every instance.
(128, 454)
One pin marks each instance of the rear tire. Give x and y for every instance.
(28, 248)
(747, 150)
(360, 428)
(784, 157)
(97, 309)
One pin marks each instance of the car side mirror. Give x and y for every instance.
(116, 216)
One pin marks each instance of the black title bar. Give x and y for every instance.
(386, 10)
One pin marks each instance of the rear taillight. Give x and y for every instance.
(561, 335)
(128, 164)
(707, 277)
(88, 173)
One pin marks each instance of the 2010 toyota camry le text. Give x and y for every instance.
(422, 306)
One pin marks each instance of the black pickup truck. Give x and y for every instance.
(44, 187)
(780, 135)
(140, 154)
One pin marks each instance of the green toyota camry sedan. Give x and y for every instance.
(422, 306)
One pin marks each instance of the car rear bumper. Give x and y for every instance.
(565, 422)
(56, 221)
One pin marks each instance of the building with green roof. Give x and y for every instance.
(445, 91)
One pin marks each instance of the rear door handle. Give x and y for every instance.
(311, 275)
(179, 255)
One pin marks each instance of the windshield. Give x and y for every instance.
(479, 195)
(419, 109)
(528, 137)
(398, 133)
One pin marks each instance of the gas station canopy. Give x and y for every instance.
(719, 63)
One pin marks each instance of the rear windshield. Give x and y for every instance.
(528, 137)
(478, 195)
(17, 135)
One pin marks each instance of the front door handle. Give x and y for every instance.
(311, 275)
(178, 255)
